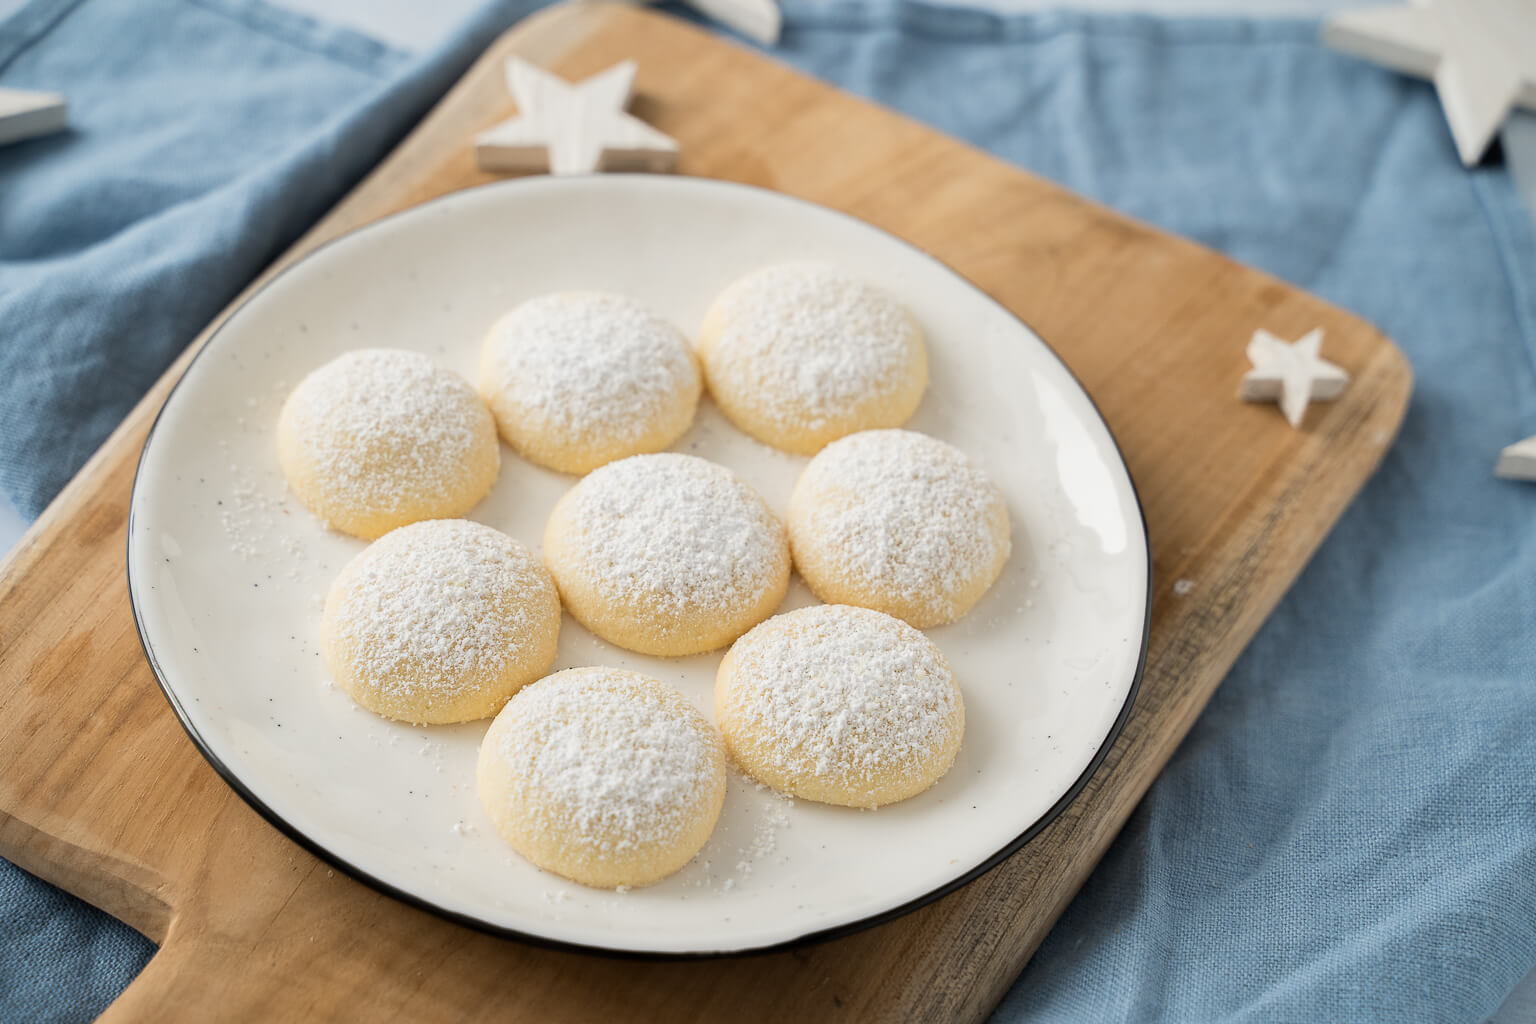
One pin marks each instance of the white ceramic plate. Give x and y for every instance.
(228, 573)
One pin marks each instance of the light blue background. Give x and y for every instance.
(1350, 830)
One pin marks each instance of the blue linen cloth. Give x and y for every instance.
(1349, 833)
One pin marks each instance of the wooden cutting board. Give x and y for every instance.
(101, 793)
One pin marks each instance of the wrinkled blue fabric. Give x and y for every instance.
(1349, 832)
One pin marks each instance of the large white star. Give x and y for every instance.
(1481, 55)
(573, 129)
(1291, 373)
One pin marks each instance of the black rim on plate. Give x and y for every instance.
(820, 935)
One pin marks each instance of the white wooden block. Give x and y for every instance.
(26, 115)
(1292, 374)
(758, 20)
(573, 129)
(1518, 461)
(1481, 55)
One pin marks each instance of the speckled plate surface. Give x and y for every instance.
(228, 573)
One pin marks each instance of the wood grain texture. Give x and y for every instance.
(101, 792)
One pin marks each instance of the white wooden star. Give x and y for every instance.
(25, 114)
(1518, 461)
(1481, 55)
(573, 129)
(1291, 373)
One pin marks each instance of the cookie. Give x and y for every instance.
(606, 777)
(667, 554)
(439, 622)
(379, 438)
(801, 354)
(579, 379)
(839, 704)
(899, 522)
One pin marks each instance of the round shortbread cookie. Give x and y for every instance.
(801, 354)
(579, 379)
(899, 522)
(606, 777)
(667, 554)
(839, 704)
(379, 438)
(440, 622)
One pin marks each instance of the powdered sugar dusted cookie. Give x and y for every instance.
(440, 621)
(579, 379)
(900, 522)
(667, 554)
(378, 438)
(606, 777)
(839, 704)
(801, 354)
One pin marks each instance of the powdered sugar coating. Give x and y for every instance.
(604, 776)
(578, 379)
(900, 522)
(840, 704)
(378, 438)
(667, 554)
(800, 354)
(440, 621)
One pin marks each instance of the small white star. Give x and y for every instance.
(1518, 461)
(1291, 373)
(1481, 55)
(573, 129)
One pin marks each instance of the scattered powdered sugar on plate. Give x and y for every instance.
(677, 531)
(254, 518)
(769, 812)
(902, 512)
(248, 515)
(586, 363)
(809, 342)
(253, 512)
(765, 831)
(433, 752)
